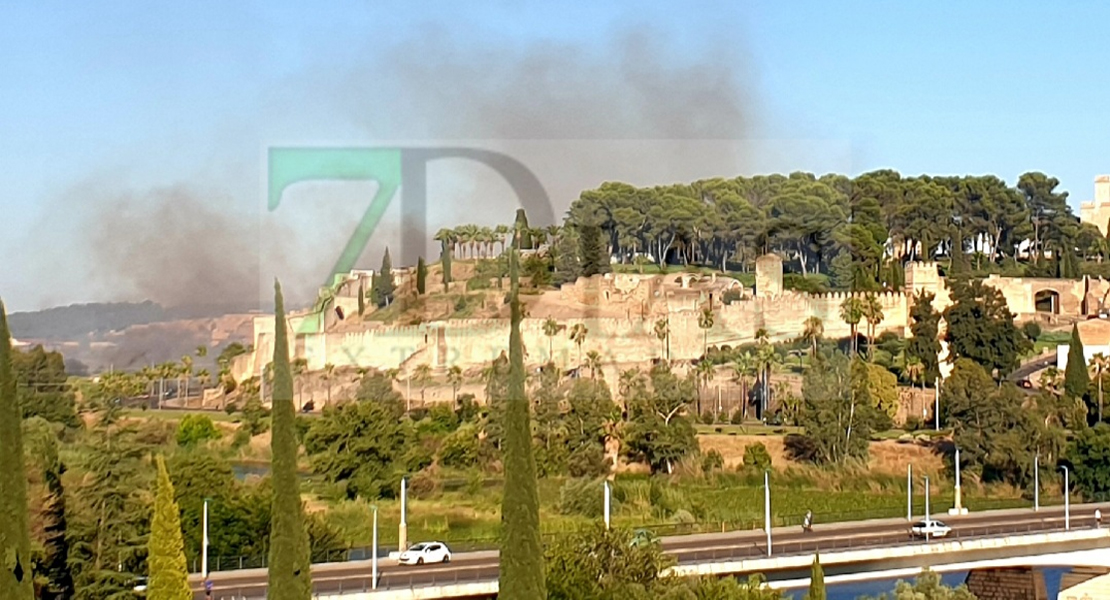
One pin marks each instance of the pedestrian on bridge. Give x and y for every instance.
(1098, 518)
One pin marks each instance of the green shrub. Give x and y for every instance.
(588, 460)
(195, 429)
(757, 457)
(582, 496)
(461, 449)
(712, 461)
(708, 417)
(1032, 330)
(731, 296)
(738, 417)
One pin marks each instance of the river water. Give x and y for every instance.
(851, 591)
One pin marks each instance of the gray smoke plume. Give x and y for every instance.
(631, 109)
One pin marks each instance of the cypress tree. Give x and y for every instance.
(816, 580)
(169, 575)
(55, 567)
(361, 299)
(15, 537)
(925, 330)
(1076, 379)
(522, 236)
(290, 577)
(591, 251)
(383, 283)
(421, 276)
(445, 258)
(522, 569)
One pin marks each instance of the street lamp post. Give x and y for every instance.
(958, 509)
(204, 544)
(403, 528)
(607, 503)
(374, 552)
(767, 507)
(1036, 482)
(926, 507)
(1067, 501)
(909, 493)
(936, 402)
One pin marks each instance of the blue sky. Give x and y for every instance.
(141, 95)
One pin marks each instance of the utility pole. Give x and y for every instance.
(936, 402)
(958, 509)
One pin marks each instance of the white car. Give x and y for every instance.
(930, 529)
(425, 552)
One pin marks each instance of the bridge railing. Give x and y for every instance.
(662, 529)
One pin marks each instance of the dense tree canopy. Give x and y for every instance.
(981, 328)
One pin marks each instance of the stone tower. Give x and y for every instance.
(1097, 211)
(768, 275)
(922, 276)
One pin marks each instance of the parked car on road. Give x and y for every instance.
(930, 529)
(425, 552)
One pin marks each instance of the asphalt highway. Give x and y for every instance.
(482, 566)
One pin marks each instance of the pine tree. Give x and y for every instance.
(15, 537)
(522, 567)
(289, 568)
(384, 281)
(445, 258)
(816, 580)
(361, 300)
(421, 276)
(55, 564)
(1076, 379)
(169, 575)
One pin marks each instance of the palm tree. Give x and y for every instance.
(873, 313)
(423, 377)
(813, 330)
(705, 322)
(765, 358)
(851, 312)
(630, 379)
(501, 232)
(202, 351)
(1099, 363)
(914, 371)
(455, 378)
(705, 373)
(186, 373)
(578, 336)
(550, 328)
(593, 363)
(663, 332)
(300, 367)
(742, 368)
(329, 372)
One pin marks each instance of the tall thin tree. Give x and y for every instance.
(522, 568)
(15, 537)
(289, 574)
(169, 574)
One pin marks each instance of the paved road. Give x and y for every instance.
(482, 566)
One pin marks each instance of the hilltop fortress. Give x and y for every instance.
(620, 311)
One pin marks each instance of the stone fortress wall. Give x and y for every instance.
(620, 311)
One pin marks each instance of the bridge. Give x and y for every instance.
(849, 551)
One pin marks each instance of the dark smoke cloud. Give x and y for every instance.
(631, 108)
(438, 85)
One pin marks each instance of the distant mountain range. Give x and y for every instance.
(77, 321)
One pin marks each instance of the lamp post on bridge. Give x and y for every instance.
(909, 492)
(1067, 501)
(403, 528)
(374, 552)
(767, 507)
(1036, 482)
(958, 509)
